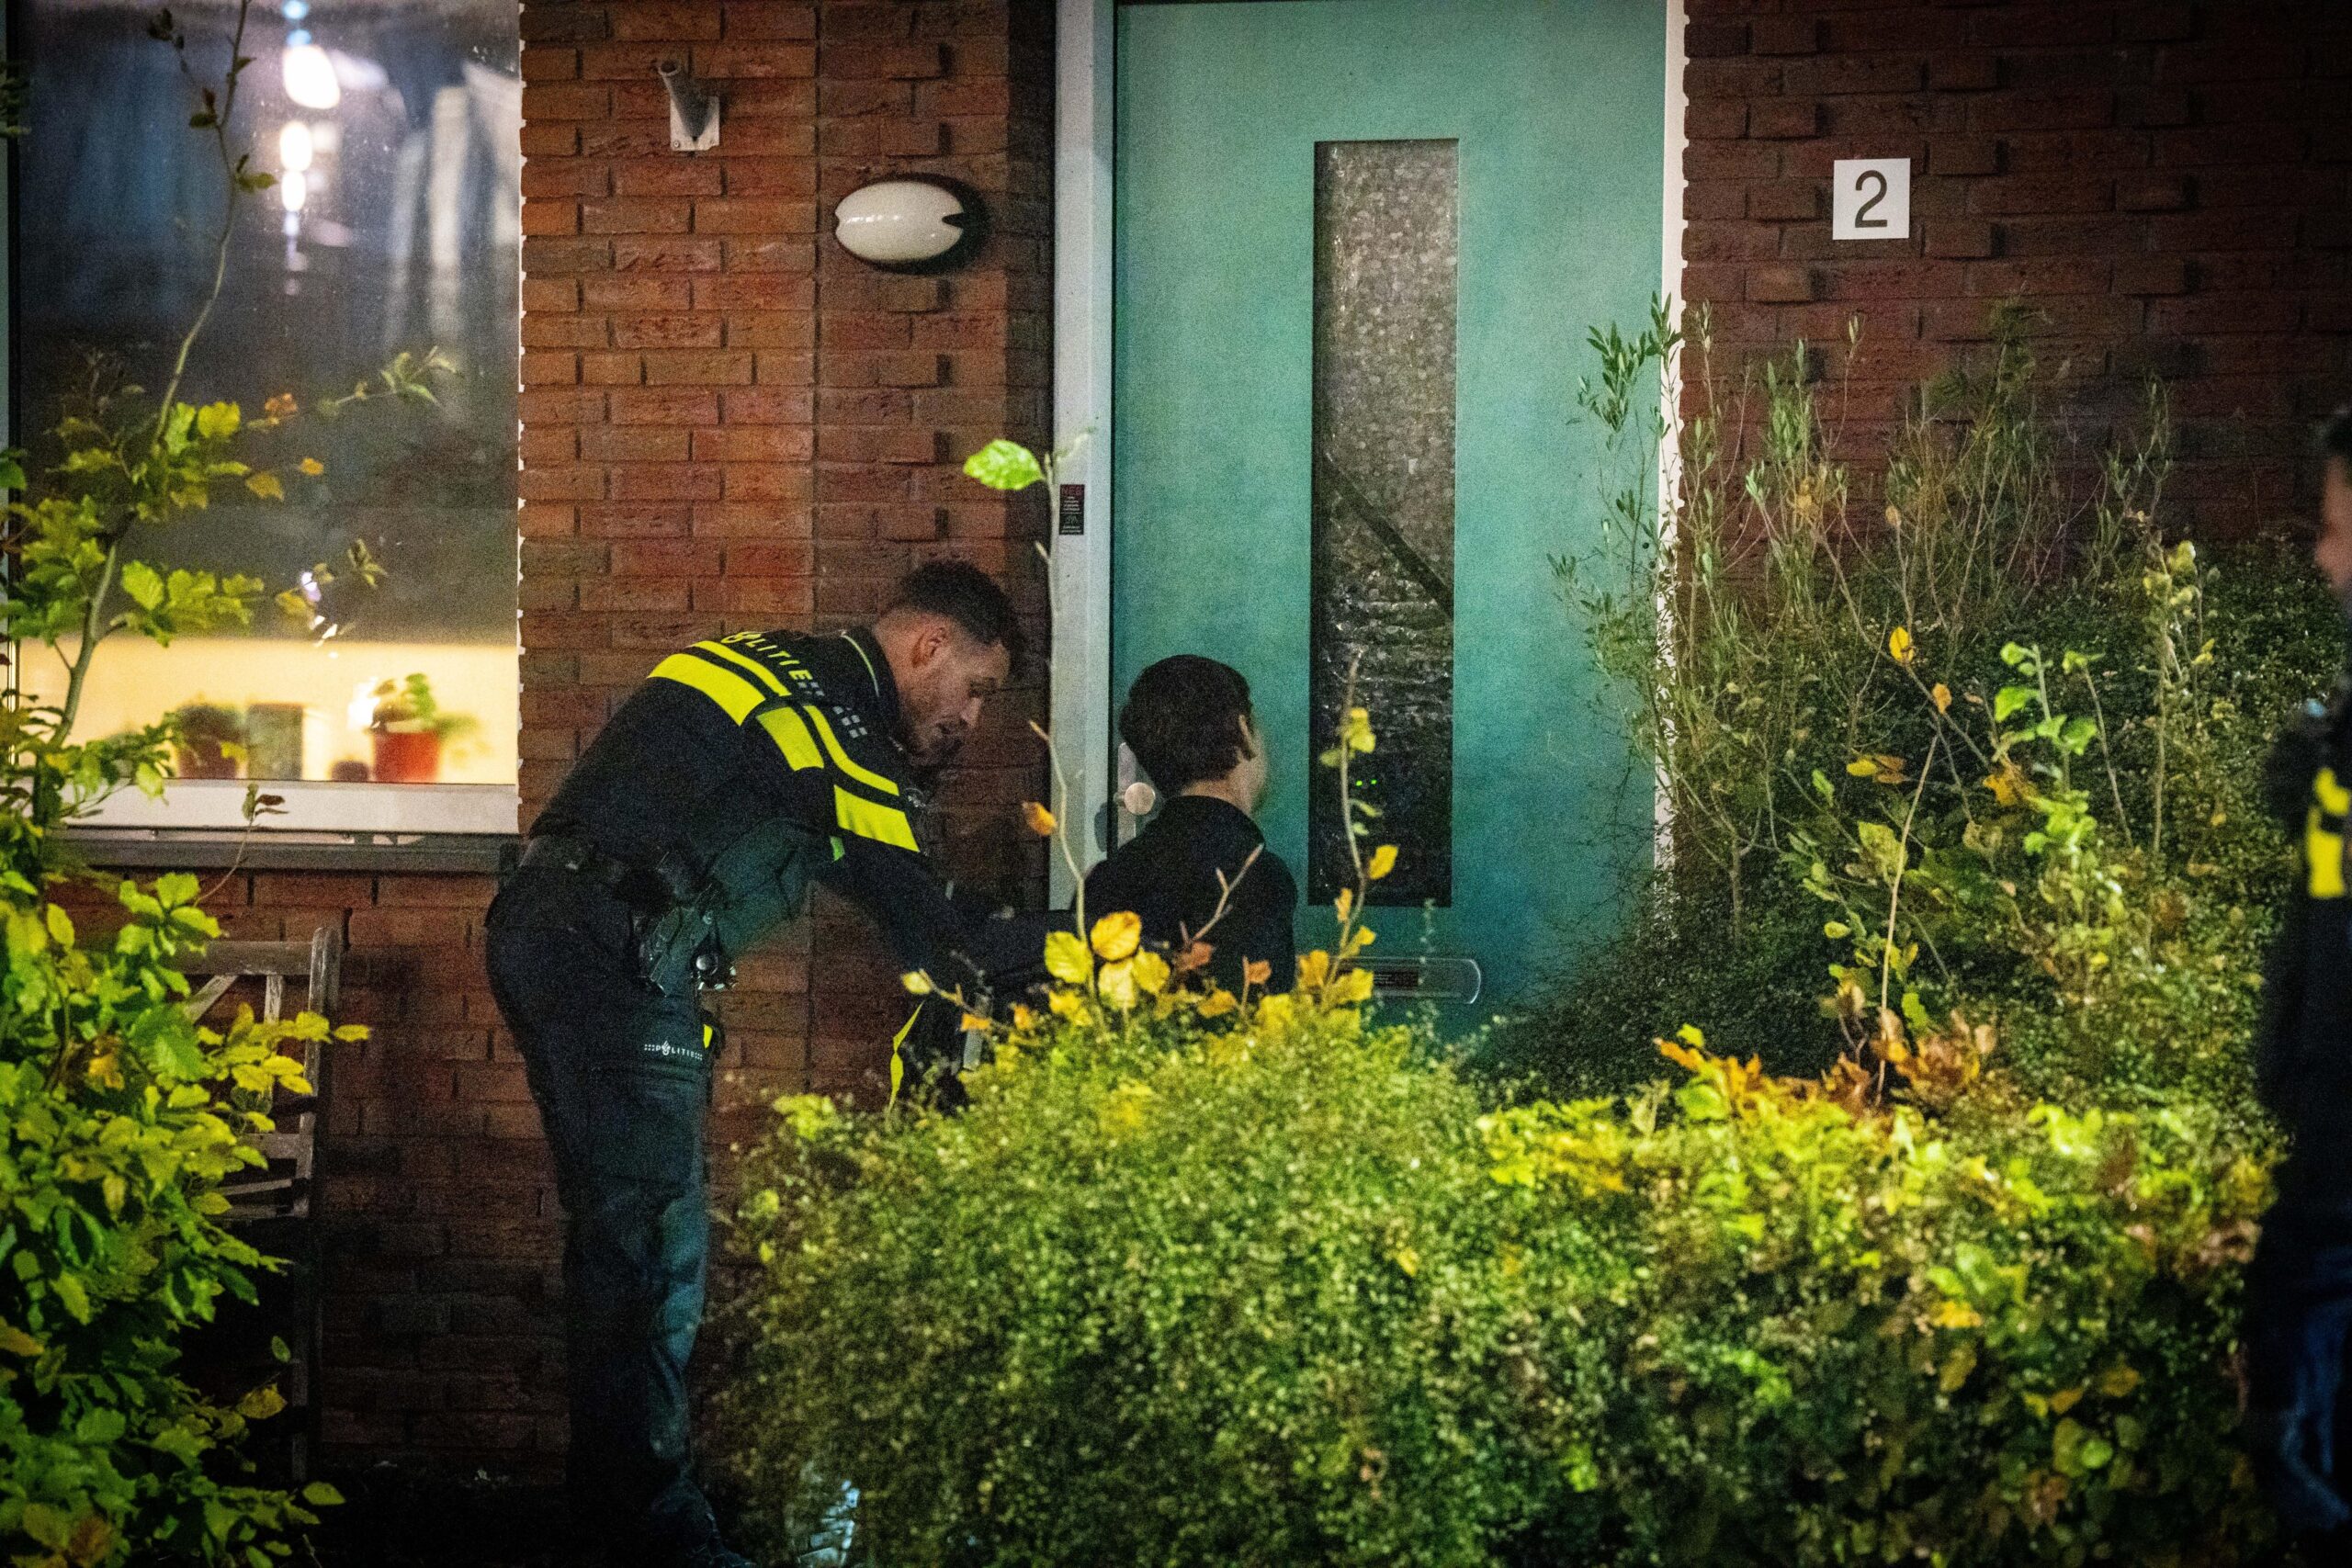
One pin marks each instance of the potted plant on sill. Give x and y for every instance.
(208, 741)
(410, 729)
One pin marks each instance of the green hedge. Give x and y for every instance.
(1288, 1294)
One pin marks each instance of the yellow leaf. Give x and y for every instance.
(1116, 934)
(1118, 984)
(1150, 972)
(2118, 1382)
(1066, 1004)
(2065, 1399)
(17, 1342)
(1898, 645)
(1383, 861)
(1313, 968)
(1040, 820)
(1023, 1016)
(262, 1403)
(1344, 902)
(1862, 767)
(92, 1541)
(105, 1070)
(1894, 516)
(1352, 987)
(1952, 1313)
(1942, 695)
(917, 982)
(1216, 1004)
(1066, 959)
(266, 485)
(311, 466)
(974, 1021)
(279, 406)
(1408, 1260)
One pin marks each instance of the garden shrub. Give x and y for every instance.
(1272, 1288)
(120, 1115)
(1937, 735)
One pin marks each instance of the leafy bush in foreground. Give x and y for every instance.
(1273, 1289)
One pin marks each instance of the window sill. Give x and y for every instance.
(198, 824)
(208, 849)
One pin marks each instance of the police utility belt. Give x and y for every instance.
(676, 943)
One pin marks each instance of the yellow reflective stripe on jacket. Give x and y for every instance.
(766, 677)
(871, 819)
(866, 776)
(728, 690)
(2323, 834)
(791, 737)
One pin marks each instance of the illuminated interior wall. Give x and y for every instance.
(332, 685)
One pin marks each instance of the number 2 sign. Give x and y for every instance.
(1870, 199)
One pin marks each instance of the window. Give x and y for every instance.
(1386, 247)
(393, 129)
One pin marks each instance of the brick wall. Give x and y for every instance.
(727, 422)
(2168, 184)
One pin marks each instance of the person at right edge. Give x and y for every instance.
(2299, 1287)
(741, 770)
(1189, 722)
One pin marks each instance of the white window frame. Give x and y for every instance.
(206, 809)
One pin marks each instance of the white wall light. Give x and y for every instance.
(908, 224)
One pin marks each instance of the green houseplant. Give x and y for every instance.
(410, 728)
(207, 739)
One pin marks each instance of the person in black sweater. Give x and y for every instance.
(1189, 722)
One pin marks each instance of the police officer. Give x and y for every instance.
(742, 769)
(2299, 1289)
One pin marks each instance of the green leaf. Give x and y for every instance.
(141, 582)
(61, 925)
(1886, 850)
(2078, 735)
(1005, 465)
(218, 422)
(2008, 699)
(100, 1426)
(320, 1495)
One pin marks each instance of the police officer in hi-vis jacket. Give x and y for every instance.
(2299, 1291)
(743, 768)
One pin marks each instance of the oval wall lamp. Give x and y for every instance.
(910, 224)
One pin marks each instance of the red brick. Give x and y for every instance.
(1783, 119)
(1781, 285)
(1954, 237)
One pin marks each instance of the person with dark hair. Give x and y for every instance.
(2299, 1289)
(743, 768)
(1189, 722)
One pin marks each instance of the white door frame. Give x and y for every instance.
(1082, 699)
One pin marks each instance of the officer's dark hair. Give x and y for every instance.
(2336, 438)
(1183, 721)
(965, 595)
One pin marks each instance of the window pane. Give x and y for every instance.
(1385, 244)
(393, 128)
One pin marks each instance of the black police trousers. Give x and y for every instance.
(621, 1073)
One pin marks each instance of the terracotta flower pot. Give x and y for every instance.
(406, 756)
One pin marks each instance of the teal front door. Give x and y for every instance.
(1358, 246)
